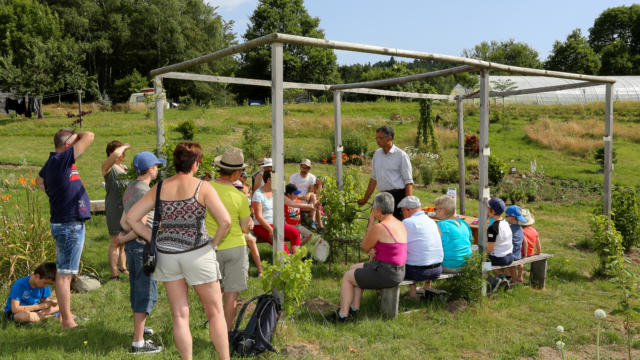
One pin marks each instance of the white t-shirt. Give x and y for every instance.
(267, 206)
(500, 233)
(303, 184)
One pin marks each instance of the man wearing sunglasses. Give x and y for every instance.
(69, 207)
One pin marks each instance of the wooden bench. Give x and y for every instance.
(391, 297)
(96, 206)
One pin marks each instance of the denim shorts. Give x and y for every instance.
(69, 243)
(143, 290)
(501, 261)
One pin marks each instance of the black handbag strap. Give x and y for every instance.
(157, 216)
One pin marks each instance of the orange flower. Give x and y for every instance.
(344, 160)
(22, 180)
(333, 155)
(324, 160)
(33, 181)
(6, 197)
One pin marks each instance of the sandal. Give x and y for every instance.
(124, 271)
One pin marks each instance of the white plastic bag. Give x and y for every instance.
(321, 250)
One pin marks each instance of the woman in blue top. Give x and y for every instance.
(455, 234)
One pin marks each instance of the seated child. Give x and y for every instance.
(514, 217)
(531, 243)
(499, 237)
(30, 297)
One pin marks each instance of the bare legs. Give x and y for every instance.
(253, 249)
(63, 294)
(35, 316)
(117, 256)
(139, 319)
(350, 293)
(230, 308)
(211, 299)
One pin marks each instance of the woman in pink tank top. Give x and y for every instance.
(386, 243)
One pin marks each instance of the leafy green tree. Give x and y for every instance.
(502, 86)
(35, 58)
(507, 52)
(120, 35)
(615, 35)
(132, 83)
(573, 55)
(301, 63)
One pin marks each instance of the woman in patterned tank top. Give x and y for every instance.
(186, 252)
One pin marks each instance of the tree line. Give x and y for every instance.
(107, 48)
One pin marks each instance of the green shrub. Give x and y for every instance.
(447, 172)
(254, 145)
(598, 156)
(290, 274)
(124, 87)
(353, 142)
(607, 244)
(626, 215)
(497, 169)
(426, 174)
(188, 129)
(468, 284)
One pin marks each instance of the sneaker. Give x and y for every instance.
(314, 226)
(493, 283)
(334, 317)
(148, 348)
(353, 313)
(320, 230)
(148, 330)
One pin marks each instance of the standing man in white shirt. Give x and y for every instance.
(307, 183)
(390, 170)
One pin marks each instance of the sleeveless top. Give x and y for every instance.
(182, 227)
(394, 253)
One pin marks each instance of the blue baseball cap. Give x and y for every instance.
(292, 189)
(146, 159)
(514, 211)
(497, 205)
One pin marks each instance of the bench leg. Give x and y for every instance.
(390, 299)
(538, 273)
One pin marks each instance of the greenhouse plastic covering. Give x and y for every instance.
(626, 88)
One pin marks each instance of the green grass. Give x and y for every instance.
(507, 326)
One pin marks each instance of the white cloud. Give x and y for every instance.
(228, 4)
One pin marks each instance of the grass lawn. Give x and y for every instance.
(519, 324)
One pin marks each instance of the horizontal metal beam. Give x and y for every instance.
(536, 90)
(339, 45)
(404, 79)
(293, 85)
(263, 40)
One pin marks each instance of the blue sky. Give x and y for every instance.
(445, 27)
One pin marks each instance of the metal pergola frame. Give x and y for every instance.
(276, 40)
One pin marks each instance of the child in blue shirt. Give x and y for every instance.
(30, 297)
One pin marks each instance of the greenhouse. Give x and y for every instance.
(627, 89)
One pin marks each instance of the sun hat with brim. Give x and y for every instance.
(410, 202)
(514, 211)
(232, 159)
(306, 162)
(146, 159)
(267, 162)
(528, 217)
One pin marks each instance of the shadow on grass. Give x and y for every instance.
(566, 274)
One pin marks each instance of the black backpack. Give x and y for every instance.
(256, 337)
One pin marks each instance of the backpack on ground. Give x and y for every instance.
(256, 337)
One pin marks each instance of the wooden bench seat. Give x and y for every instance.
(96, 206)
(390, 297)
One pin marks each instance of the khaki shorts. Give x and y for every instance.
(196, 267)
(234, 265)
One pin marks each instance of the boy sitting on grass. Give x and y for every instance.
(30, 297)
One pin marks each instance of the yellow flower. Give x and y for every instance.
(86, 342)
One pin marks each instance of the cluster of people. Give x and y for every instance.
(419, 248)
(205, 230)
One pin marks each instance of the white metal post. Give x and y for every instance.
(608, 148)
(461, 173)
(483, 182)
(337, 110)
(159, 103)
(277, 147)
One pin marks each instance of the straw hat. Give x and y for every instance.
(528, 216)
(232, 159)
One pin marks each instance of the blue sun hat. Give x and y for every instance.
(514, 211)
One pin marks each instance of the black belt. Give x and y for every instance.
(432, 266)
